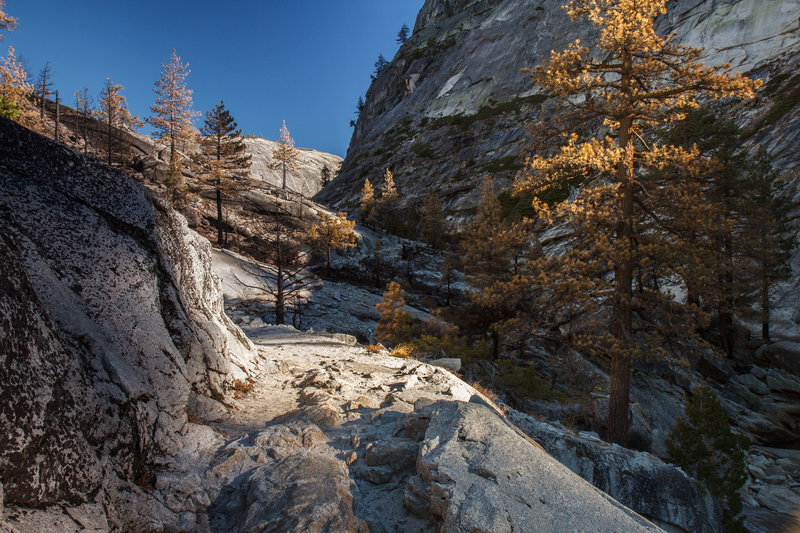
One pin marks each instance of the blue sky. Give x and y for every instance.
(303, 61)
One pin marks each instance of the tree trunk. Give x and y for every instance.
(58, 118)
(220, 236)
(619, 391)
(109, 137)
(618, 423)
(764, 303)
(495, 344)
(77, 124)
(725, 309)
(280, 305)
(448, 290)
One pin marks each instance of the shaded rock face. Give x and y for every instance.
(638, 480)
(453, 104)
(110, 319)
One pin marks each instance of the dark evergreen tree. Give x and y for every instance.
(325, 175)
(402, 35)
(743, 238)
(224, 159)
(380, 65)
(770, 239)
(704, 446)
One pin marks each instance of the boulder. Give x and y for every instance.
(305, 492)
(453, 364)
(641, 481)
(784, 355)
(476, 472)
(779, 498)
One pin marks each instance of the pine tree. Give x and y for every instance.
(715, 271)
(742, 237)
(384, 207)
(113, 110)
(380, 65)
(447, 273)
(704, 446)
(359, 109)
(395, 325)
(173, 116)
(44, 82)
(491, 251)
(432, 223)
(769, 238)
(332, 233)
(285, 155)
(286, 279)
(389, 192)
(325, 175)
(367, 202)
(224, 159)
(83, 106)
(402, 35)
(637, 80)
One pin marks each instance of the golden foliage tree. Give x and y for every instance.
(173, 116)
(395, 325)
(13, 78)
(285, 155)
(635, 80)
(332, 233)
(14, 90)
(367, 202)
(389, 192)
(113, 110)
(379, 210)
(7, 22)
(224, 160)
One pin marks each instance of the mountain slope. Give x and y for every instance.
(453, 104)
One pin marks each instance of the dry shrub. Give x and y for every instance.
(242, 387)
(403, 351)
(492, 395)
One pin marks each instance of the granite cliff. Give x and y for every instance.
(453, 105)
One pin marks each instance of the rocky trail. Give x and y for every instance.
(334, 438)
